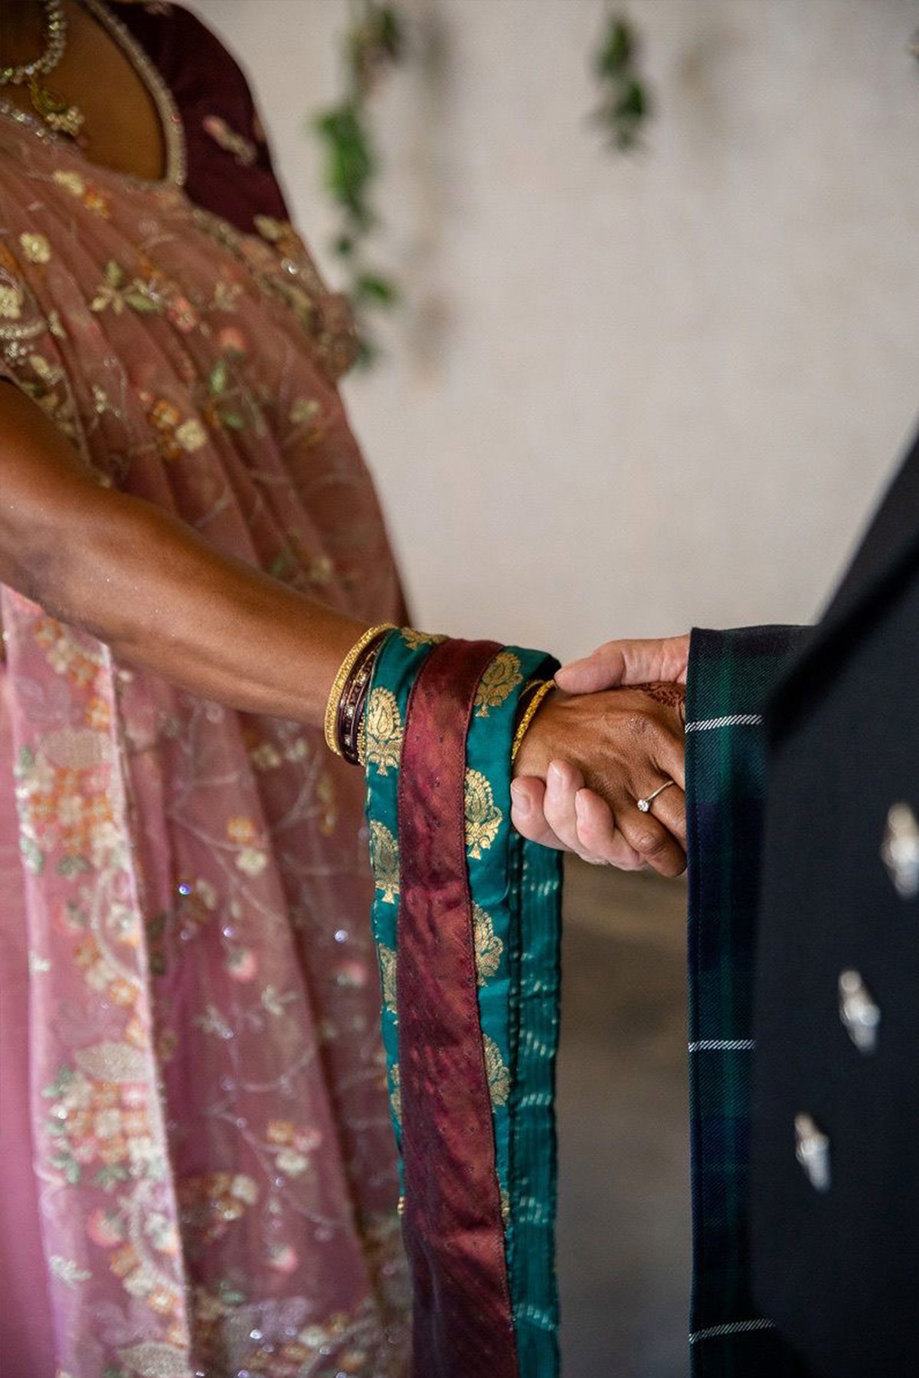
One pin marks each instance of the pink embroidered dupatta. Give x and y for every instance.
(211, 1143)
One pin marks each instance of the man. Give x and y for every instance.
(807, 1238)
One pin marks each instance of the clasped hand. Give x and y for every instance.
(599, 745)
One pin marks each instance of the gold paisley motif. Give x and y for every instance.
(382, 731)
(395, 1093)
(488, 946)
(501, 676)
(414, 640)
(388, 976)
(483, 817)
(384, 858)
(499, 1078)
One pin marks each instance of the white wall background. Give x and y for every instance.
(627, 394)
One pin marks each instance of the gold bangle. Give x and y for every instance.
(532, 709)
(341, 679)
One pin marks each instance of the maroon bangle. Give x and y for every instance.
(353, 701)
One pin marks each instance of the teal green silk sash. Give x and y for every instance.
(471, 914)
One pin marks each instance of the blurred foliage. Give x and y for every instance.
(373, 45)
(625, 101)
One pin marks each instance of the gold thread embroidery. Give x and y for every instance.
(383, 727)
(499, 1078)
(483, 817)
(415, 640)
(395, 1093)
(488, 946)
(501, 677)
(388, 976)
(384, 858)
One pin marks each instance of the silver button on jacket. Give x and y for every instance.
(860, 1016)
(813, 1152)
(900, 850)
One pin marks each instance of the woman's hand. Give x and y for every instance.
(586, 761)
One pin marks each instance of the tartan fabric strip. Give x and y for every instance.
(729, 677)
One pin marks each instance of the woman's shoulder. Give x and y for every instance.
(229, 166)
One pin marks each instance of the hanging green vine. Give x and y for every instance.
(625, 100)
(373, 45)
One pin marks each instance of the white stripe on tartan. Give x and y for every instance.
(736, 720)
(715, 1332)
(722, 1045)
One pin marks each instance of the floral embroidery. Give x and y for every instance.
(388, 961)
(501, 677)
(178, 886)
(11, 300)
(483, 817)
(304, 411)
(36, 247)
(64, 809)
(291, 1146)
(383, 726)
(414, 640)
(384, 858)
(102, 1126)
(499, 1078)
(118, 291)
(85, 191)
(250, 858)
(215, 1201)
(174, 436)
(488, 946)
(243, 150)
(395, 1092)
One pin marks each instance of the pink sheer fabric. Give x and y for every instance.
(213, 1162)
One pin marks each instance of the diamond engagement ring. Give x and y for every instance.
(644, 805)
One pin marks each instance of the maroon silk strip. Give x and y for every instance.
(454, 1234)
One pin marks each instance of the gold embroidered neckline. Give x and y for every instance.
(170, 120)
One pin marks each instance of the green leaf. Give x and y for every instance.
(71, 866)
(25, 760)
(57, 1088)
(143, 304)
(32, 855)
(281, 565)
(633, 103)
(217, 378)
(369, 287)
(232, 420)
(114, 274)
(111, 1176)
(67, 1164)
(617, 50)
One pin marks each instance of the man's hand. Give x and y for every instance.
(661, 661)
(586, 760)
(562, 811)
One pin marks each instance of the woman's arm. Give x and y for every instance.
(147, 585)
(151, 588)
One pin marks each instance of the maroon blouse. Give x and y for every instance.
(229, 163)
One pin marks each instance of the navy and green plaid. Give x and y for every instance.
(730, 675)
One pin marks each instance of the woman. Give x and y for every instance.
(200, 1177)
